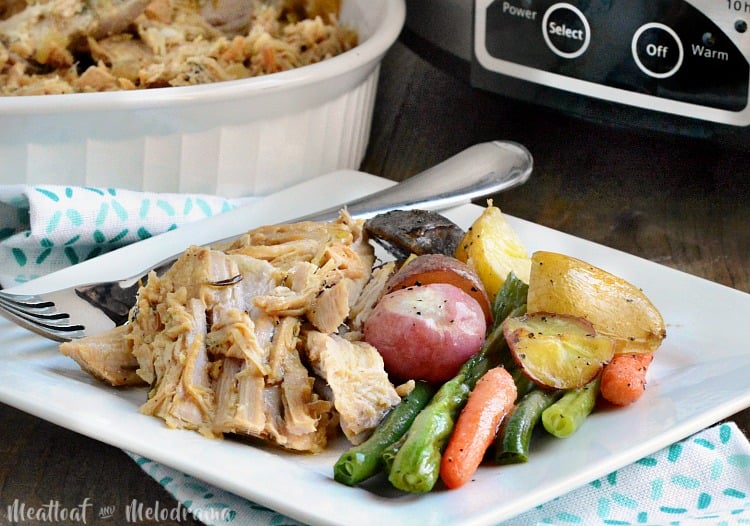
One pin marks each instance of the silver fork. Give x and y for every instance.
(478, 171)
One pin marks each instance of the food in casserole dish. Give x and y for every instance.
(74, 46)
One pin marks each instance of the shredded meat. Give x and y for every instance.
(354, 372)
(253, 339)
(107, 357)
(70, 46)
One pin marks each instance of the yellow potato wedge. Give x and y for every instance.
(616, 308)
(556, 351)
(494, 249)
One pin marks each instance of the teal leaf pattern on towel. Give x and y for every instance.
(74, 217)
(52, 195)
(101, 217)
(143, 233)
(666, 489)
(20, 256)
(43, 255)
(166, 207)
(70, 253)
(72, 224)
(120, 210)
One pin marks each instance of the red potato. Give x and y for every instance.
(426, 332)
(557, 351)
(439, 268)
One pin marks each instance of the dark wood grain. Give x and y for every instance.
(674, 200)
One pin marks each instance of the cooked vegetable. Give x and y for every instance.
(389, 453)
(514, 439)
(416, 467)
(564, 417)
(557, 351)
(624, 378)
(617, 309)
(426, 332)
(438, 268)
(365, 460)
(524, 385)
(494, 249)
(406, 232)
(477, 425)
(512, 295)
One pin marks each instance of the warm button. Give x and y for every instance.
(657, 50)
(566, 30)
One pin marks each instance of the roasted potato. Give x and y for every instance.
(565, 285)
(556, 351)
(494, 249)
(437, 268)
(426, 332)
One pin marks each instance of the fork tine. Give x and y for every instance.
(48, 314)
(58, 320)
(39, 316)
(26, 301)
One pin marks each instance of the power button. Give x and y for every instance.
(566, 30)
(657, 50)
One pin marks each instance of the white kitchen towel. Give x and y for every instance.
(47, 227)
(703, 480)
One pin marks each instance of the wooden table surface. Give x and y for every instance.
(674, 200)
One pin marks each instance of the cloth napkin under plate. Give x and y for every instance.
(702, 480)
(45, 228)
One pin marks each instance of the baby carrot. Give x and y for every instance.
(490, 401)
(624, 378)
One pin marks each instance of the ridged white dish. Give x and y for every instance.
(238, 138)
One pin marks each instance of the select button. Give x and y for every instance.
(566, 30)
(657, 50)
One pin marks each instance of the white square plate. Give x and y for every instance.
(698, 377)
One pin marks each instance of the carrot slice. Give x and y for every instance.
(492, 399)
(624, 378)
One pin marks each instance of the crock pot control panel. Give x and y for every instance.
(680, 57)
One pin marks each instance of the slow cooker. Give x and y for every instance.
(672, 65)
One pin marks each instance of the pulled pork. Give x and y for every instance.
(73, 46)
(254, 340)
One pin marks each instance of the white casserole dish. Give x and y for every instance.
(237, 138)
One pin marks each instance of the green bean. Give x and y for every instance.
(510, 296)
(513, 441)
(523, 384)
(564, 417)
(389, 454)
(364, 460)
(416, 466)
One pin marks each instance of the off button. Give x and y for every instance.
(657, 50)
(566, 30)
